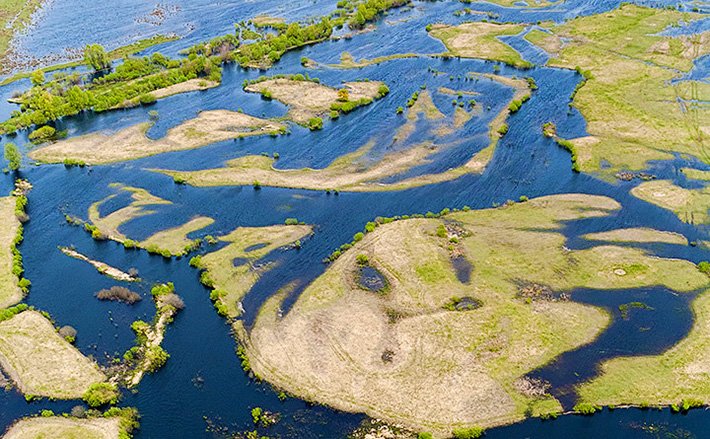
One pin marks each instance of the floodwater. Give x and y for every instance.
(202, 387)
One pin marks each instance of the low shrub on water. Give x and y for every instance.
(120, 294)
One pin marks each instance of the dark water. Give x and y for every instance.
(371, 279)
(203, 380)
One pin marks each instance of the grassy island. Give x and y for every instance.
(634, 113)
(234, 269)
(132, 143)
(10, 292)
(101, 267)
(690, 205)
(437, 351)
(308, 99)
(113, 424)
(40, 362)
(639, 235)
(480, 40)
(352, 172)
(168, 243)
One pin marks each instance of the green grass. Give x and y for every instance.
(679, 373)
(480, 40)
(631, 108)
(490, 347)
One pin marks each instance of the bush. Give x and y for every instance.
(157, 357)
(468, 433)
(503, 130)
(291, 221)
(704, 267)
(315, 123)
(362, 260)
(425, 436)
(358, 236)
(43, 134)
(585, 408)
(173, 300)
(68, 333)
(101, 394)
(120, 294)
(162, 289)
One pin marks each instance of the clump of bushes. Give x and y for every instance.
(586, 408)
(315, 123)
(569, 146)
(43, 134)
(468, 433)
(68, 333)
(100, 394)
(704, 267)
(120, 294)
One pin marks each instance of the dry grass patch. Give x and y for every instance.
(234, 269)
(132, 143)
(197, 84)
(41, 362)
(641, 235)
(10, 293)
(403, 357)
(691, 205)
(101, 267)
(682, 372)
(57, 427)
(308, 99)
(480, 40)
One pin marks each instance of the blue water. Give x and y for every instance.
(202, 384)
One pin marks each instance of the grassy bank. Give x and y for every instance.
(132, 143)
(681, 373)
(42, 363)
(634, 113)
(690, 205)
(232, 270)
(307, 99)
(480, 40)
(10, 293)
(410, 356)
(112, 424)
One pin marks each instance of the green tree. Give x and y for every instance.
(13, 156)
(95, 55)
(37, 77)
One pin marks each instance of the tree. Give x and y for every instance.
(37, 77)
(95, 55)
(13, 156)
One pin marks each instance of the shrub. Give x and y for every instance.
(586, 408)
(156, 357)
(503, 130)
(441, 231)
(100, 394)
(43, 134)
(68, 333)
(362, 260)
(358, 236)
(162, 289)
(120, 294)
(425, 436)
(315, 123)
(704, 267)
(173, 300)
(468, 433)
(196, 262)
(69, 162)
(291, 221)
